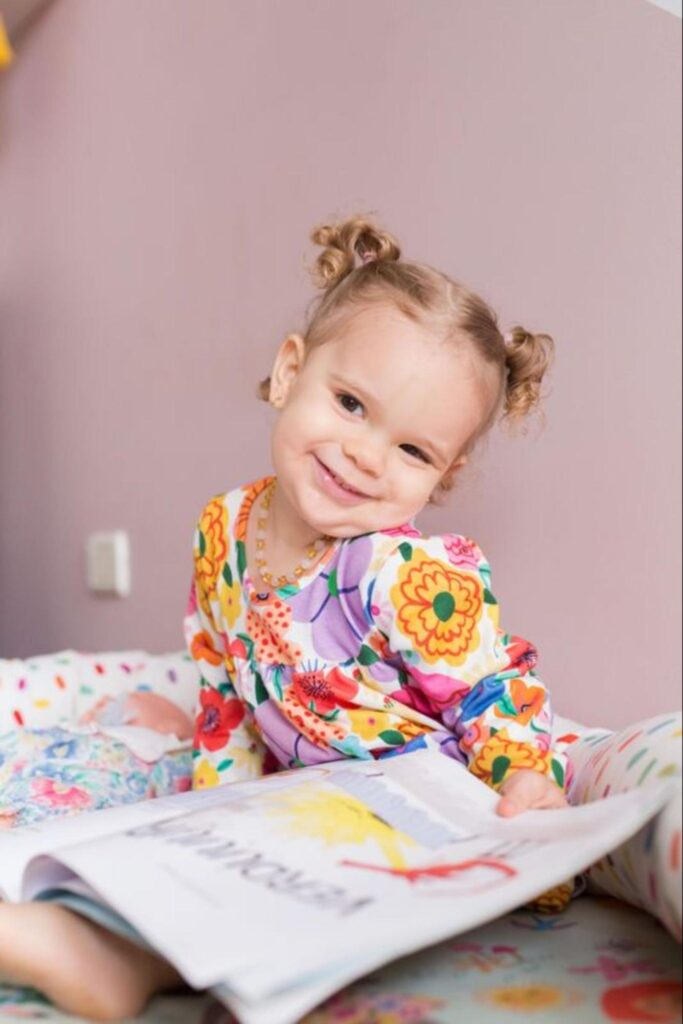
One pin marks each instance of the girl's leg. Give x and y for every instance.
(82, 968)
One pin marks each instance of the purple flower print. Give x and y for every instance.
(289, 746)
(333, 605)
(449, 744)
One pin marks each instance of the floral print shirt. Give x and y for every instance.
(389, 643)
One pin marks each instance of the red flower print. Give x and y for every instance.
(216, 720)
(380, 645)
(324, 692)
(237, 649)
(521, 653)
(658, 1000)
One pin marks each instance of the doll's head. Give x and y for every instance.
(398, 373)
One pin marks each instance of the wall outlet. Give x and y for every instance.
(108, 563)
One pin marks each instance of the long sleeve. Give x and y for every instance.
(433, 602)
(226, 746)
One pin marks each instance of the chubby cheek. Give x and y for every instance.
(411, 493)
(287, 440)
(298, 428)
(401, 513)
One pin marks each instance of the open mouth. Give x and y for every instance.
(341, 482)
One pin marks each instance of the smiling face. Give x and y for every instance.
(371, 421)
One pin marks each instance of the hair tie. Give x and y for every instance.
(368, 256)
(508, 339)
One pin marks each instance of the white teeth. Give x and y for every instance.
(344, 486)
(341, 483)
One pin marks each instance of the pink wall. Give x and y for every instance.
(161, 163)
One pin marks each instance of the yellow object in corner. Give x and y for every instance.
(6, 52)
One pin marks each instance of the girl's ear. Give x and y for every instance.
(453, 470)
(448, 477)
(286, 368)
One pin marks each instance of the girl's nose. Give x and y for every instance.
(368, 455)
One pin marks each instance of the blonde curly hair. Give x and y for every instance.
(360, 264)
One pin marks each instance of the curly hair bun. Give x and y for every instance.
(353, 242)
(527, 358)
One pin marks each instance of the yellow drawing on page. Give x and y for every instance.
(337, 819)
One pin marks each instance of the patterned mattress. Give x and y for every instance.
(599, 961)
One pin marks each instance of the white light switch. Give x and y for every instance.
(108, 563)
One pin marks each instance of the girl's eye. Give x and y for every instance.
(411, 449)
(348, 402)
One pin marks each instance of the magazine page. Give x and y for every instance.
(292, 1005)
(461, 889)
(19, 846)
(166, 894)
(352, 859)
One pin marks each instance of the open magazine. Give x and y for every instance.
(277, 893)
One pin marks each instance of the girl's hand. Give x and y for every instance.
(527, 789)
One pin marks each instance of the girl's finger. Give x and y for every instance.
(521, 797)
(550, 801)
(511, 804)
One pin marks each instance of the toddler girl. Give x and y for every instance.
(323, 623)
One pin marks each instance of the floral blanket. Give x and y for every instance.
(600, 961)
(45, 773)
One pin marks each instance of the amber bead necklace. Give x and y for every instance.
(312, 553)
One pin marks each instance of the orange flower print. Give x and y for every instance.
(211, 551)
(500, 755)
(476, 734)
(252, 493)
(438, 608)
(527, 999)
(202, 649)
(267, 625)
(411, 730)
(522, 703)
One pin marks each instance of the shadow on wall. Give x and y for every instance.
(26, 405)
(20, 15)
(26, 412)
